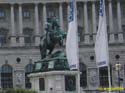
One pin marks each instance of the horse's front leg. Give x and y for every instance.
(50, 51)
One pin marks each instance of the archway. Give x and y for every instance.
(83, 75)
(28, 69)
(6, 76)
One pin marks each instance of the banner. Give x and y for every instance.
(101, 44)
(72, 38)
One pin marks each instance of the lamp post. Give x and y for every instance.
(118, 67)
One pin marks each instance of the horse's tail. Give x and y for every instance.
(42, 50)
(42, 38)
(42, 46)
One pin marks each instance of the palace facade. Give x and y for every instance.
(22, 22)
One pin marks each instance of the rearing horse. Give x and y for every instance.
(52, 37)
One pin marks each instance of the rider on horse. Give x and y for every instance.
(53, 36)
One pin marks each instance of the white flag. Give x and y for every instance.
(72, 38)
(101, 44)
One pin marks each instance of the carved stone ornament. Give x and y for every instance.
(19, 79)
(93, 78)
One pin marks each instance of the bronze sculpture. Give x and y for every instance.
(52, 61)
(53, 36)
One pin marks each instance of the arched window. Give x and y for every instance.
(28, 69)
(28, 36)
(6, 76)
(83, 75)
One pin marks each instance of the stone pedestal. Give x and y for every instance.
(54, 81)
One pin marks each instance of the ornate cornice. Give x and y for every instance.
(38, 1)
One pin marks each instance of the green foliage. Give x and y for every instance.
(19, 91)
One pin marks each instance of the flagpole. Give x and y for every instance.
(78, 81)
(101, 44)
(109, 79)
(72, 43)
(78, 76)
(109, 74)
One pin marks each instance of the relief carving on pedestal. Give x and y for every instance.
(19, 79)
(93, 77)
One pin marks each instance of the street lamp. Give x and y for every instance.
(118, 68)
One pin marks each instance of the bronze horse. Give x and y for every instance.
(52, 37)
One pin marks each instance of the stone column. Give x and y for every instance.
(13, 36)
(120, 33)
(44, 17)
(94, 20)
(86, 23)
(61, 16)
(21, 38)
(111, 40)
(37, 33)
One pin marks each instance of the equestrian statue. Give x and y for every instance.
(53, 36)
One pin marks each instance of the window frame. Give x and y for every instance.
(6, 76)
(26, 14)
(104, 82)
(28, 69)
(41, 84)
(2, 13)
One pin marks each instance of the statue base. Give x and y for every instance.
(54, 81)
(52, 75)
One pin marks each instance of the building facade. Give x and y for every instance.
(22, 22)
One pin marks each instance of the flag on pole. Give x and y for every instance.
(72, 38)
(101, 44)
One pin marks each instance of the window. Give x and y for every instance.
(28, 69)
(2, 13)
(28, 33)
(52, 10)
(103, 76)
(122, 10)
(51, 13)
(91, 37)
(123, 28)
(114, 8)
(97, 10)
(108, 33)
(6, 76)
(83, 75)
(3, 36)
(26, 14)
(80, 34)
(89, 10)
(79, 13)
(41, 84)
(116, 36)
(65, 15)
(2, 40)
(70, 83)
